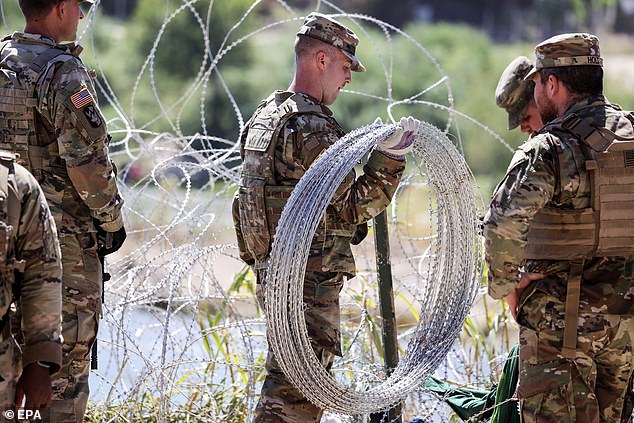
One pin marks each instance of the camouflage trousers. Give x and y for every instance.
(592, 387)
(81, 309)
(280, 401)
(10, 368)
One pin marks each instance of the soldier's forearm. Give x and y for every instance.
(41, 308)
(371, 193)
(97, 188)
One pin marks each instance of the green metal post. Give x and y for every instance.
(388, 314)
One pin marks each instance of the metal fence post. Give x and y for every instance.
(388, 314)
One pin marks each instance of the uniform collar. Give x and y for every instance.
(579, 108)
(585, 104)
(283, 95)
(25, 37)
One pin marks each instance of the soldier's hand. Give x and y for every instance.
(401, 142)
(514, 297)
(35, 384)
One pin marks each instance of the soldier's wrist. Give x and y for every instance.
(397, 157)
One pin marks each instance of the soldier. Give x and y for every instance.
(51, 118)
(515, 95)
(30, 278)
(281, 140)
(560, 242)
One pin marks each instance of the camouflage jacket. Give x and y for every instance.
(30, 248)
(300, 141)
(69, 152)
(548, 170)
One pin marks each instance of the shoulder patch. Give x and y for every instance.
(81, 98)
(93, 116)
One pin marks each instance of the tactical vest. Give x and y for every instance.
(20, 125)
(261, 198)
(606, 229)
(9, 218)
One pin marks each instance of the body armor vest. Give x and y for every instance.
(261, 197)
(20, 123)
(606, 229)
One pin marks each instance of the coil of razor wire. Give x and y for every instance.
(450, 287)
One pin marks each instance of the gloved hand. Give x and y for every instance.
(401, 142)
(109, 242)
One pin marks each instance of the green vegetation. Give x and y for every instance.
(218, 392)
(264, 62)
(177, 75)
(146, 72)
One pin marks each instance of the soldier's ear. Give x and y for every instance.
(553, 85)
(321, 59)
(59, 9)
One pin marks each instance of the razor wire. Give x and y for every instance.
(450, 285)
(179, 330)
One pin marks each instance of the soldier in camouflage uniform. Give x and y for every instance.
(560, 242)
(30, 278)
(282, 139)
(51, 118)
(515, 95)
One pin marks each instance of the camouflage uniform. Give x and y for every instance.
(301, 128)
(549, 171)
(62, 140)
(30, 272)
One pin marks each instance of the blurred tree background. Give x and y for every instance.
(472, 40)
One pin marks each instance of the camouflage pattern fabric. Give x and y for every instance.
(567, 50)
(78, 179)
(10, 370)
(590, 389)
(357, 200)
(70, 383)
(77, 176)
(82, 270)
(628, 407)
(281, 401)
(548, 170)
(32, 240)
(321, 27)
(300, 141)
(513, 93)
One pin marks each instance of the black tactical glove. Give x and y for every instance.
(109, 242)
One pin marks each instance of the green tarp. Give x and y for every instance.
(478, 405)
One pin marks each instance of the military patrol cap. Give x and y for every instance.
(513, 93)
(567, 50)
(323, 28)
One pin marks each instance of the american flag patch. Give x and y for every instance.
(81, 98)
